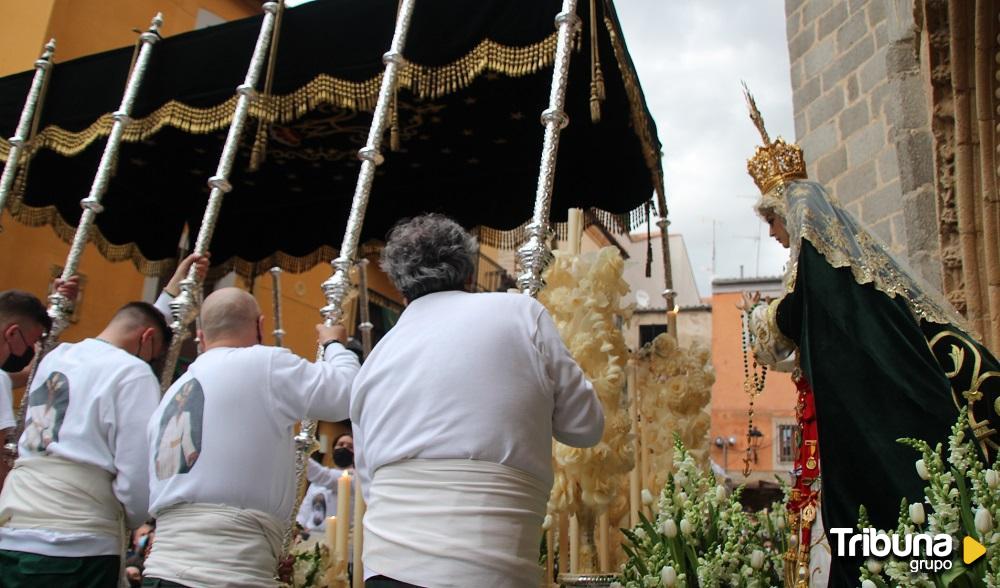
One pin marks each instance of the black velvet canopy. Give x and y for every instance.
(468, 127)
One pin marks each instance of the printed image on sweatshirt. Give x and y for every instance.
(46, 411)
(179, 441)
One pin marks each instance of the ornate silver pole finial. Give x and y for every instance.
(42, 67)
(184, 308)
(338, 286)
(669, 295)
(535, 255)
(279, 333)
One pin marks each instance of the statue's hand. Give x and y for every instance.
(748, 300)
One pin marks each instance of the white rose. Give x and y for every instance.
(922, 470)
(757, 559)
(917, 513)
(647, 497)
(992, 479)
(686, 527)
(874, 566)
(670, 528)
(984, 521)
(668, 576)
(868, 584)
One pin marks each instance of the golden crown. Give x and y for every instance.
(776, 162)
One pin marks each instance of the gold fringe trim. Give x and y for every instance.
(425, 82)
(616, 223)
(640, 122)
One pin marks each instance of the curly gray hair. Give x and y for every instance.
(427, 254)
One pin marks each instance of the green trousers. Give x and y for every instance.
(20, 569)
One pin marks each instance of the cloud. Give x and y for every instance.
(691, 57)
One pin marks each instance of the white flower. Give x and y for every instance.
(922, 470)
(720, 493)
(874, 566)
(668, 576)
(616, 585)
(917, 513)
(681, 478)
(640, 533)
(757, 559)
(547, 522)
(647, 497)
(868, 584)
(670, 528)
(686, 527)
(992, 479)
(984, 521)
(779, 522)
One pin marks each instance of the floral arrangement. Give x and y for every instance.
(674, 386)
(701, 536)
(963, 497)
(583, 294)
(310, 560)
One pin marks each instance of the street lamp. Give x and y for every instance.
(725, 444)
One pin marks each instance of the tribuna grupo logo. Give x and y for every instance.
(925, 552)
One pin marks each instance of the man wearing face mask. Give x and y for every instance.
(81, 476)
(23, 321)
(323, 483)
(223, 510)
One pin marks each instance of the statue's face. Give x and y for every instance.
(777, 226)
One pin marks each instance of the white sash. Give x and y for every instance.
(440, 523)
(57, 494)
(213, 545)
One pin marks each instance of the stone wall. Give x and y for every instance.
(862, 117)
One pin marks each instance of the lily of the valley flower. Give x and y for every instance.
(922, 470)
(647, 497)
(720, 493)
(757, 559)
(874, 566)
(917, 514)
(670, 528)
(992, 479)
(686, 527)
(668, 576)
(984, 521)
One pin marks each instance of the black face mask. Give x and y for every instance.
(343, 457)
(16, 363)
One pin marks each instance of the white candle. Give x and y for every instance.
(359, 532)
(574, 230)
(343, 521)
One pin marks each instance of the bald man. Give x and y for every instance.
(222, 471)
(81, 476)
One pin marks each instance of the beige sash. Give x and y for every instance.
(57, 494)
(213, 545)
(455, 522)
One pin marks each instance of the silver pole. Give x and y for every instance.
(42, 67)
(336, 288)
(60, 307)
(184, 307)
(279, 333)
(535, 255)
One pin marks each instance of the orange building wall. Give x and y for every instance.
(22, 33)
(730, 402)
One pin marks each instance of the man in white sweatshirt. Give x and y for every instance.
(222, 512)
(81, 476)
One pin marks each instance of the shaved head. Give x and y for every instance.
(229, 312)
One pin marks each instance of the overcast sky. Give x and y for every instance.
(691, 57)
